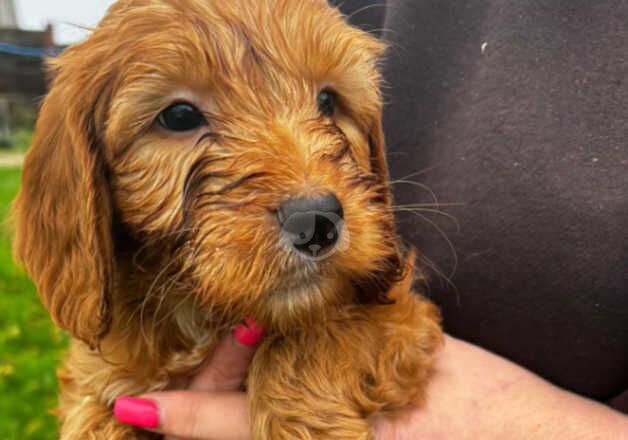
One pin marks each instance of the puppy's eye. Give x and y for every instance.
(181, 117)
(327, 101)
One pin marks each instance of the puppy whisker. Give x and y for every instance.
(431, 211)
(168, 287)
(447, 278)
(430, 205)
(416, 184)
(151, 294)
(366, 8)
(161, 237)
(420, 172)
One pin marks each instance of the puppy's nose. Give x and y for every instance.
(312, 225)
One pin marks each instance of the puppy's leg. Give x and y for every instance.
(83, 415)
(326, 382)
(93, 421)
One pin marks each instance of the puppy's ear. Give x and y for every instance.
(396, 266)
(63, 215)
(377, 151)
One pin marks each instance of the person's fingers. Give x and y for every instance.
(249, 333)
(226, 368)
(195, 413)
(188, 414)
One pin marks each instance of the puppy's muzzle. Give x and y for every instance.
(312, 225)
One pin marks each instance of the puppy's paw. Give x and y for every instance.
(326, 382)
(90, 420)
(294, 392)
(403, 364)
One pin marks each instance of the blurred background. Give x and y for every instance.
(30, 346)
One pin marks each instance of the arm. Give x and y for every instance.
(476, 394)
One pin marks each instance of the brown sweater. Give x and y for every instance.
(518, 111)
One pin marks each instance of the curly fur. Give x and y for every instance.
(148, 246)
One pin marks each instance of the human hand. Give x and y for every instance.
(473, 394)
(212, 407)
(476, 394)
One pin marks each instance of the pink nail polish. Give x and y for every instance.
(136, 412)
(250, 333)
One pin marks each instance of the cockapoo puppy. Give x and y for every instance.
(197, 162)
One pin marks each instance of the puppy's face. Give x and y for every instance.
(242, 138)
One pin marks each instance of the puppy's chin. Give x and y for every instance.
(301, 304)
(309, 301)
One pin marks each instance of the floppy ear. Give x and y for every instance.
(377, 151)
(63, 215)
(375, 288)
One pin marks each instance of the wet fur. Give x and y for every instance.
(147, 247)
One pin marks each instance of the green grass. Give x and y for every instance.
(30, 346)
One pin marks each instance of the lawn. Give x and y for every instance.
(30, 346)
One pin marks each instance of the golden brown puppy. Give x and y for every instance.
(199, 161)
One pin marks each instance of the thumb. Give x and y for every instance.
(188, 414)
(196, 413)
(226, 368)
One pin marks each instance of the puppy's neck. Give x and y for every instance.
(156, 314)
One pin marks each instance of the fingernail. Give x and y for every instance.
(250, 333)
(136, 412)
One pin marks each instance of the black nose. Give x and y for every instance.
(312, 225)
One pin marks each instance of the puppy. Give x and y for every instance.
(201, 161)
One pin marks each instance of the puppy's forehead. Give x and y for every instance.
(258, 60)
(194, 39)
